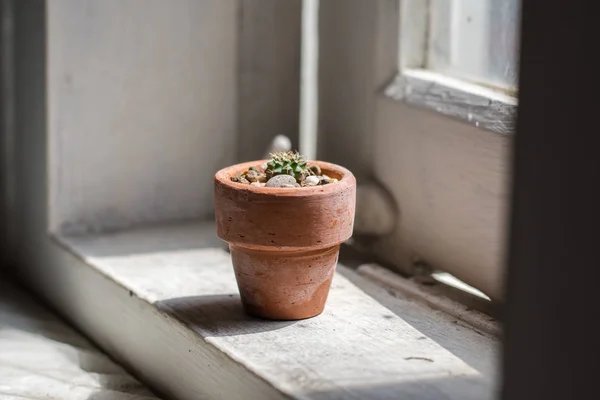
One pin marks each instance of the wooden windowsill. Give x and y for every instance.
(163, 300)
(489, 109)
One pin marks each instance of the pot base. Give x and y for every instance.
(284, 285)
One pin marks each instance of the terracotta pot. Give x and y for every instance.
(284, 242)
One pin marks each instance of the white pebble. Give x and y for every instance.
(311, 181)
(280, 180)
(258, 184)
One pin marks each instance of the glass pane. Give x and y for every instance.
(475, 40)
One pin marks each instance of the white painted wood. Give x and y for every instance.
(435, 48)
(377, 213)
(159, 349)
(142, 109)
(388, 279)
(414, 32)
(485, 108)
(309, 91)
(358, 55)
(42, 357)
(361, 347)
(446, 175)
(450, 186)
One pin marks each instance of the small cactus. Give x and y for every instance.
(284, 163)
(288, 163)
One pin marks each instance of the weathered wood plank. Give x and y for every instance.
(42, 357)
(358, 348)
(467, 102)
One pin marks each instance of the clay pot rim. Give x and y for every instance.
(346, 179)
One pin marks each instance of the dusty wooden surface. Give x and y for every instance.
(465, 312)
(367, 343)
(41, 357)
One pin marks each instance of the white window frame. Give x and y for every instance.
(493, 109)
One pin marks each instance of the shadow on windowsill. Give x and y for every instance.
(218, 315)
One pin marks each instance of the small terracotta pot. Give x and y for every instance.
(284, 242)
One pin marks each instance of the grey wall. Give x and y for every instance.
(449, 181)
(269, 74)
(357, 55)
(123, 110)
(142, 109)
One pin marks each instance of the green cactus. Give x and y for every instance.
(288, 163)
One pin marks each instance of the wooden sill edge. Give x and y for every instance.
(152, 374)
(400, 285)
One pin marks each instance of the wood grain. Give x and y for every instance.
(360, 347)
(43, 357)
(477, 106)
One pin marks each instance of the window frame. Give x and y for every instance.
(492, 109)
